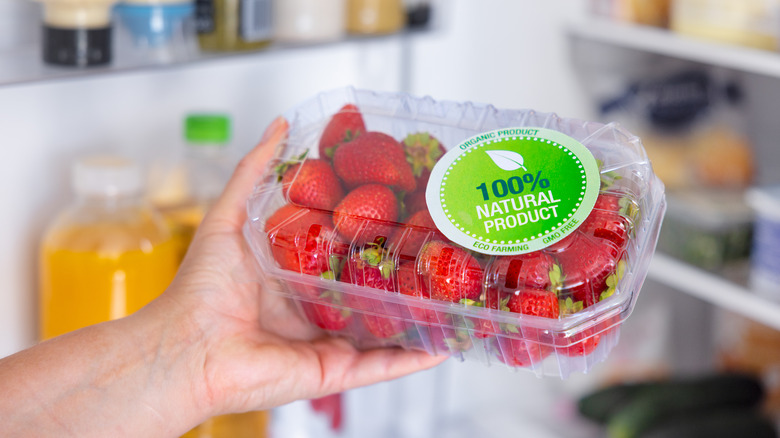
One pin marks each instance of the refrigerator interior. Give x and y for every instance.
(512, 54)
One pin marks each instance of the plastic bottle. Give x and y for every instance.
(77, 32)
(185, 187)
(184, 191)
(233, 25)
(105, 256)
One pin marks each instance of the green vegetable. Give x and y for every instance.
(600, 405)
(716, 424)
(657, 404)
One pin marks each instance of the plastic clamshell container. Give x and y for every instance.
(765, 252)
(477, 331)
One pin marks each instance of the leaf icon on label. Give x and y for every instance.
(507, 160)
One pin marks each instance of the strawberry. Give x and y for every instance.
(422, 152)
(327, 317)
(410, 283)
(372, 203)
(521, 353)
(303, 240)
(370, 266)
(415, 201)
(535, 302)
(346, 125)
(588, 264)
(509, 274)
(531, 349)
(582, 344)
(373, 158)
(609, 220)
(449, 272)
(422, 229)
(311, 183)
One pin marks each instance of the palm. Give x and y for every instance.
(258, 352)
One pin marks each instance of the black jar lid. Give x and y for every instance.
(78, 47)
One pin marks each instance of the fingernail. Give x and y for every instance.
(273, 129)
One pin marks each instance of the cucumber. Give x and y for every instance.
(599, 405)
(717, 424)
(674, 400)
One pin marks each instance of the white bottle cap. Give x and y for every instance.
(107, 176)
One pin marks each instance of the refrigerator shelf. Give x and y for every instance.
(667, 43)
(714, 289)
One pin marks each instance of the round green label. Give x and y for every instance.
(513, 190)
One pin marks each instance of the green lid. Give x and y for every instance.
(207, 128)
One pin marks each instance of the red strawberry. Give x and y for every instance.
(582, 344)
(587, 264)
(372, 203)
(325, 316)
(531, 349)
(371, 267)
(450, 273)
(508, 274)
(410, 283)
(422, 152)
(608, 220)
(303, 240)
(522, 353)
(536, 302)
(423, 229)
(415, 201)
(373, 158)
(311, 183)
(346, 125)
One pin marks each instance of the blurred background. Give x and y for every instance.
(155, 81)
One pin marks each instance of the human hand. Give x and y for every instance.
(252, 349)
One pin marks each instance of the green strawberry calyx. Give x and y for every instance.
(613, 280)
(349, 135)
(569, 306)
(374, 256)
(556, 278)
(282, 168)
(422, 151)
(607, 178)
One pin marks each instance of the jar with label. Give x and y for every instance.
(155, 30)
(105, 256)
(233, 25)
(309, 20)
(77, 33)
(373, 17)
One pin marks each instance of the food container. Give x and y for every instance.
(551, 304)
(765, 256)
(707, 228)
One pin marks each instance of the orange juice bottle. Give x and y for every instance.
(105, 256)
(184, 193)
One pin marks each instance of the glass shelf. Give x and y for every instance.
(23, 65)
(664, 42)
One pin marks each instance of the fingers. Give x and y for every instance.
(343, 367)
(231, 206)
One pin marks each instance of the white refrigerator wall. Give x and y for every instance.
(510, 53)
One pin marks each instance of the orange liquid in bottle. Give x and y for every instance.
(107, 255)
(98, 273)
